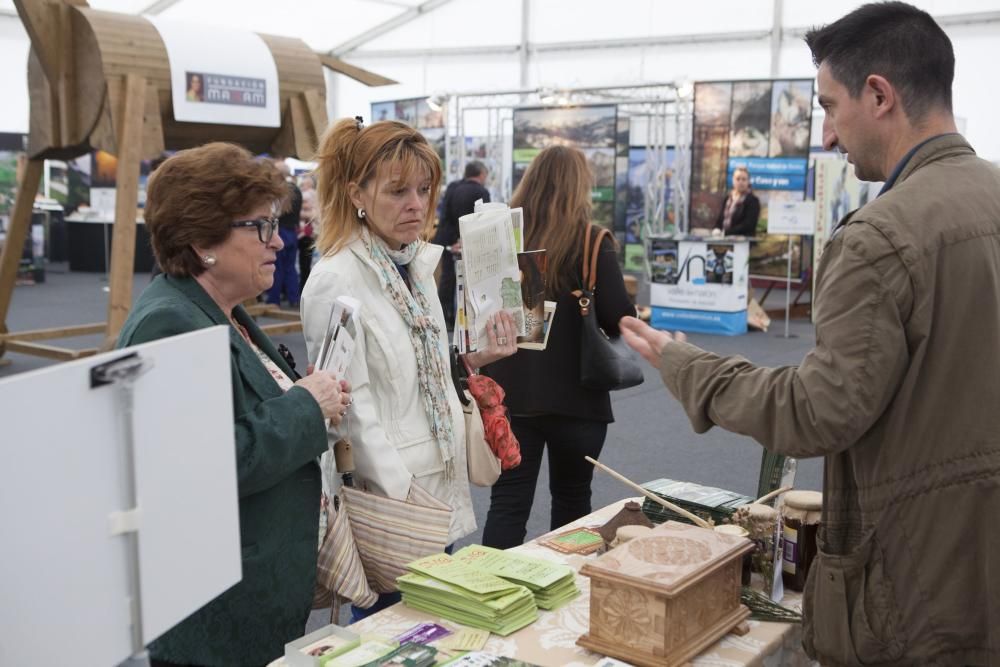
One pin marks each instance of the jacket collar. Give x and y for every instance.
(246, 359)
(421, 268)
(935, 148)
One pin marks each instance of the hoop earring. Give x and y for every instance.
(361, 213)
(209, 260)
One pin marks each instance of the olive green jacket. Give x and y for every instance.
(902, 396)
(278, 437)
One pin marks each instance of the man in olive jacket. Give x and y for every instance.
(902, 392)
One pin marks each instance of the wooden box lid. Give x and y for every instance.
(672, 558)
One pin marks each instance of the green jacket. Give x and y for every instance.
(278, 437)
(901, 397)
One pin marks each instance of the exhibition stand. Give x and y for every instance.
(699, 284)
(551, 640)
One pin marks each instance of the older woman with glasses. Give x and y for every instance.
(210, 212)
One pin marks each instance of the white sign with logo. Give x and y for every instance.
(792, 217)
(219, 75)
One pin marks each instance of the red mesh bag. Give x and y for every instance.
(499, 436)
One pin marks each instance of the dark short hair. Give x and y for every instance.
(194, 196)
(894, 40)
(474, 168)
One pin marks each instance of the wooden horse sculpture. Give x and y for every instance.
(101, 80)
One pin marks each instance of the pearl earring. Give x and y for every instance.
(361, 213)
(209, 260)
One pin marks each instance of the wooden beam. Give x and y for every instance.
(58, 332)
(17, 232)
(48, 351)
(357, 73)
(318, 120)
(41, 22)
(129, 125)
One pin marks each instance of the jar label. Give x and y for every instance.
(790, 557)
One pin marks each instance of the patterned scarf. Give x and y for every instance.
(425, 335)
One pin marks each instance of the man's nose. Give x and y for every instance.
(829, 136)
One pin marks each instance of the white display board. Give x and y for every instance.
(699, 284)
(792, 217)
(220, 75)
(63, 575)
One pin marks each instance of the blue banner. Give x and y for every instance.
(776, 173)
(699, 321)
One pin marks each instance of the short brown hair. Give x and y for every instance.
(349, 154)
(192, 198)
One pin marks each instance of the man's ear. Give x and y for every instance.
(882, 94)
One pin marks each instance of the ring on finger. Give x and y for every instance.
(502, 340)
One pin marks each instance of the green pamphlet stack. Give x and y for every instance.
(444, 586)
(552, 584)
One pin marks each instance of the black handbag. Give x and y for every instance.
(606, 364)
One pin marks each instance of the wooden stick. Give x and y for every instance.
(773, 494)
(698, 521)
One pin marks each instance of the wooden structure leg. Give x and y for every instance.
(126, 201)
(17, 232)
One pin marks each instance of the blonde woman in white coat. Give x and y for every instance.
(377, 187)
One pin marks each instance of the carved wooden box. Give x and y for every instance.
(663, 599)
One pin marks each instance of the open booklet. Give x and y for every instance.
(337, 347)
(496, 273)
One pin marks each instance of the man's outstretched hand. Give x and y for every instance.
(646, 340)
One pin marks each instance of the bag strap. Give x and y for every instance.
(590, 257)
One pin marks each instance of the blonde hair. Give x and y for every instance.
(555, 196)
(348, 154)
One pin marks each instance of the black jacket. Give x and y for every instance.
(548, 382)
(459, 199)
(745, 216)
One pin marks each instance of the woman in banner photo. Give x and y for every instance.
(377, 188)
(195, 92)
(548, 406)
(741, 209)
(210, 214)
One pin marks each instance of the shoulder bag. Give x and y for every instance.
(606, 364)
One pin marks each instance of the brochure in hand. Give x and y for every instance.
(552, 584)
(337, 346)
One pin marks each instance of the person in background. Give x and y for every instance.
(548, 407)
(306, 241)
(210, 214)
(459, 199)
(741, 209)
(899, 393)
(376, 189)
(286, 278)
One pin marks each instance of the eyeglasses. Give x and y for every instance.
(265, 227)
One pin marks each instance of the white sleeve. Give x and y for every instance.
(377, 462)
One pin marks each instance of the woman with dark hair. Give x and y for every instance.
(210, 215)
(548, 406)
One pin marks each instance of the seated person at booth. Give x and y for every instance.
(741, 209)
(210, 214)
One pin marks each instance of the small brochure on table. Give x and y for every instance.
(553, 584)
(491, 275)
(448, 588)
(337, 347)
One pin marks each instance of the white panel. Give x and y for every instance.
(64, 476)
(14, 47)
(703, 62)
(457, 23)
(800, 14)
(974, 98)
(576, 20)
(320, 24)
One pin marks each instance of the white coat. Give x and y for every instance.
(387, 425)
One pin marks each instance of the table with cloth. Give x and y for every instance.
(551, 640)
